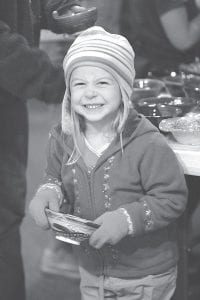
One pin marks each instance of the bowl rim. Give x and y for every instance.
(191, 100)
(59, 16)
(179, 82)
(159, 81)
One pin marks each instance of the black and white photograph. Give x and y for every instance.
(99, 149)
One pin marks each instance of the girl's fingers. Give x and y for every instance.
(37, 212)
(99, 220)
(98, 239)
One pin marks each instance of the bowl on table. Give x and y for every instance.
(146, 88)
(186, 130)
(191, 68)
(174, 84)
(158, 108)
(192, 86)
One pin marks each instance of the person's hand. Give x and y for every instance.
(113, 227)
(46, 198)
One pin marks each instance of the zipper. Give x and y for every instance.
(89, 176)
(99, 252)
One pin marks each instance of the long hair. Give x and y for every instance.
(77, 125)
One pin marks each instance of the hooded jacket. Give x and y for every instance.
(145, 178)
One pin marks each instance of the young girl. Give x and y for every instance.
(112, 166)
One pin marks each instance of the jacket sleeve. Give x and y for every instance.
(27, 72)
(54, 157)
(165, 190)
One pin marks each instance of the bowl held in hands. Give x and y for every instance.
(70, 22)
(69, 228)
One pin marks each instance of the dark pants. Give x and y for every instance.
(12, 285)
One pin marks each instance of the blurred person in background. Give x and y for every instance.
(25, 72)
(164, 33)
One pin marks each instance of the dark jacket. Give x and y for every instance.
(25, 72)
(146, 179)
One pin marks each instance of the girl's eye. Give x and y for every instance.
(78, 84)
(103, 82)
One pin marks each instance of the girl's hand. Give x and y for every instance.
(44, 198)
(114, 227)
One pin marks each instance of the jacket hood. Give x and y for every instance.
(137, 125)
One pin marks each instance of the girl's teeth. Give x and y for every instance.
(93, 106)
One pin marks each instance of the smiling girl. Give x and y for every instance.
(112, 166)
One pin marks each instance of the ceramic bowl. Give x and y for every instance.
(146, 88)
(74, 22)
(186, 130)
(174, 84)
(192, 87)
(159, 108)
(69, 228)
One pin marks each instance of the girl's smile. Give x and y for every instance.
(93, 106)
(95, 94)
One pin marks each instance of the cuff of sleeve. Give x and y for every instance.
(51, 180)
(129, 221)
(141, 216)
(54, 187)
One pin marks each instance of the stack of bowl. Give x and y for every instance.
(158, 108)
(175, 84)
(192, 87)
(145, 88)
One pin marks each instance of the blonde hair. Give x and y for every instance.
(76, 126)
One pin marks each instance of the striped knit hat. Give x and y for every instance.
(97, 47)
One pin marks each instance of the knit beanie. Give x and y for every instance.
(97, 47)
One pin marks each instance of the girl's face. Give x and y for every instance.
(95, 94)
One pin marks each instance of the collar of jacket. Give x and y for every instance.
(136, 125)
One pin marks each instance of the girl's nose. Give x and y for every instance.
(90, 91)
